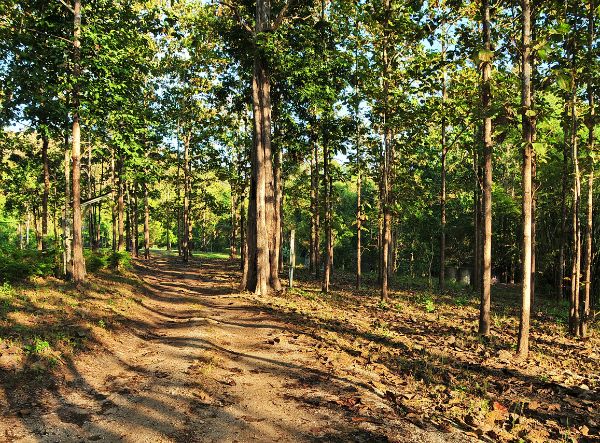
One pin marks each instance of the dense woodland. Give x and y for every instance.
(447, 145)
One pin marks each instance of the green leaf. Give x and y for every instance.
(563, 81)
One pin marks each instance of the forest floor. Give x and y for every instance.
(173, 352)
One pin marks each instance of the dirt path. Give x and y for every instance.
(204, 363)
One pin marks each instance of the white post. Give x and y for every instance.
(292, 256)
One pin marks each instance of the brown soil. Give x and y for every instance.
(190, 359)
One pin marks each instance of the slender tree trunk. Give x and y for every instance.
(574, 313)
(120, 204)
(185, 244)
(179, 211)
(534, 179)
(328, 230)
(91, 215)
(233, 233)
(46, 192)
(99, 208)
(129, 219)
(523, 342)
(114, 201)
(243, 245)
(78, 260)
(585, 302)
(146, 223)
(55, 218)
(386, 236)
(311, 239)
(276, 228)
(486, 71)
(358, 215)
(27, 227)
(314, 193)
(38, 229)
(477, 253)
(168, 233)
(442, 277)
(67, 219)
(533, 222)
(358, 156)
(563, 221)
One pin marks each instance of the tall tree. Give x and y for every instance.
(528, 135)
(78, 260)
(388, 150)
(586, 299)
(486, 69)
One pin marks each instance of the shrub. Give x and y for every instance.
(120, 260)
(95, 261)
(17, 264)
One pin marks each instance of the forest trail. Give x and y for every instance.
(203, 363)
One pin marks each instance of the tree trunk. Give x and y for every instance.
(178, 213)
(91, 214)
(233, 232)
(113, 192)
(486, 284)
(276, 228)
(261, 223)
(533, 221)
(585, 302)
(527, 123)
(386, 236)
(358, 214)
(478, 250)
(314, 203)
(38, 229)
(67, 220)
(185, 243)
(328, 229)
(78, 260)
(98, 241)
(129, 220)
(243, 245)
(574, 314)
(27, 227)
(442, 277)
(146, 223)
(46, 192)
(120, 204)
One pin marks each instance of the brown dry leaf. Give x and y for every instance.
(497, 406)
(584, 430)
(533, 405)
(538, 435)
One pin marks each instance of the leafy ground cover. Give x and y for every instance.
(434, 367)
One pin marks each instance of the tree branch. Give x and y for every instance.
(238, 16)
(281, 16)
(67, 6)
